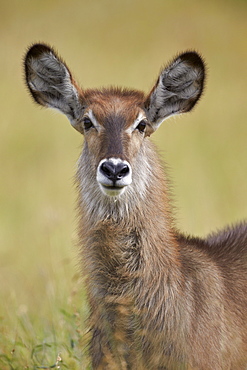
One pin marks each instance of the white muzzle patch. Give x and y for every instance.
(113, 176)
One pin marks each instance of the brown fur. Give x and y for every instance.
(158, 299)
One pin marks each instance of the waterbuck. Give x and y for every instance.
(158, 299)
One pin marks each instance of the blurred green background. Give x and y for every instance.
(106, 42)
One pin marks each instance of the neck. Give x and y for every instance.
(130, 256)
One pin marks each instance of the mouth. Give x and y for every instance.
(112, 190)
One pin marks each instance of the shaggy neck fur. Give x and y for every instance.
(121, 239)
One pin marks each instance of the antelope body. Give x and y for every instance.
(158, 299)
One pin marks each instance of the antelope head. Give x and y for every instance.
(115, 122)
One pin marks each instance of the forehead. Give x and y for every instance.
(109, 104)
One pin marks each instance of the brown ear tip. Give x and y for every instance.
(36, 50)
(193, 58)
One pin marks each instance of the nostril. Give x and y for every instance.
(107, 168)
(122, 170)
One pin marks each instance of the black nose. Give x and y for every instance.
(114, 172)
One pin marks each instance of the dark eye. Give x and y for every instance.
(87, 123)
(141, 126)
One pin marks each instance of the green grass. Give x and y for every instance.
(42, 301)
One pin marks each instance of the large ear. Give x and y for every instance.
(177, 90)
(51, 84)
